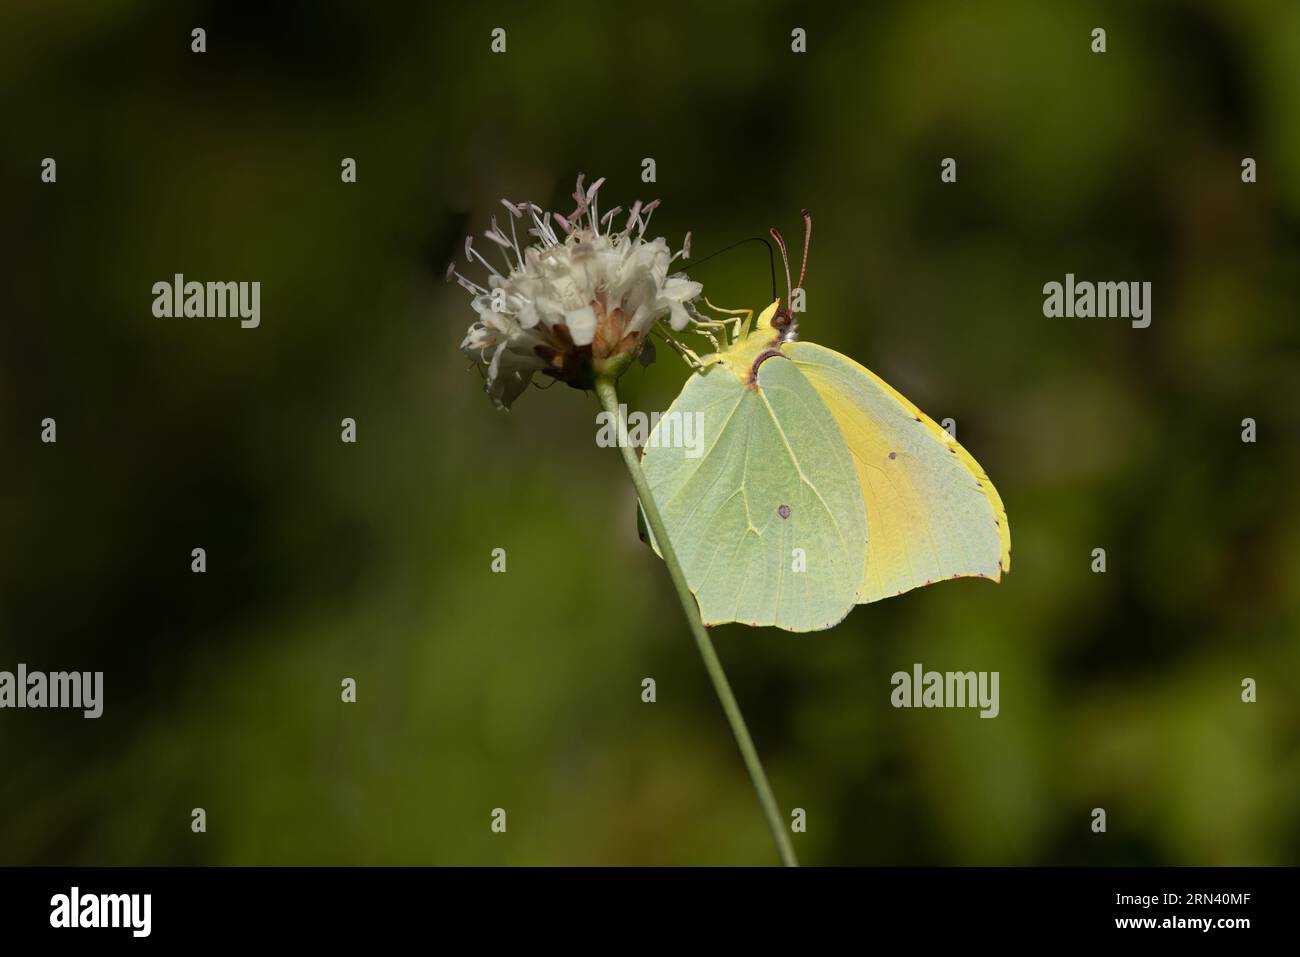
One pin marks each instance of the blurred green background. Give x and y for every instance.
(522, 690)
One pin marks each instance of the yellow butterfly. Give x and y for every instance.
(820, 486)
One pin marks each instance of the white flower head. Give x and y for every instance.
(575, 303)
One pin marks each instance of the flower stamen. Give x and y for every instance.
(573, 308)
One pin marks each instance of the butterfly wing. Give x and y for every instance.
(768, 521)
(931, 511)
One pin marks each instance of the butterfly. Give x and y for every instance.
(817, 487)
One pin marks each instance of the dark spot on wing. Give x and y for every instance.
(893, 455)
(784, 511)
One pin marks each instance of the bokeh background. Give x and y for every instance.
(522, 690)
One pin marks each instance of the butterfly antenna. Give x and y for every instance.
(807, 241)
(771, 258)
(785, 259)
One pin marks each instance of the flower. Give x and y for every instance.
(576, 304)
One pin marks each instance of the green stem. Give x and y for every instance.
(609, 399)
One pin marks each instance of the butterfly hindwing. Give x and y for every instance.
(769, 521)
(931, 511)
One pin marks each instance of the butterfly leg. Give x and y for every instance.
(715, 329)
(740, 317)
(689, 355)
(703, 326)
(747, 313)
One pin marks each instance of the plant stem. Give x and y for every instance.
(609, 399)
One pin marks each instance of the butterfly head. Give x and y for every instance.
(784, 322)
